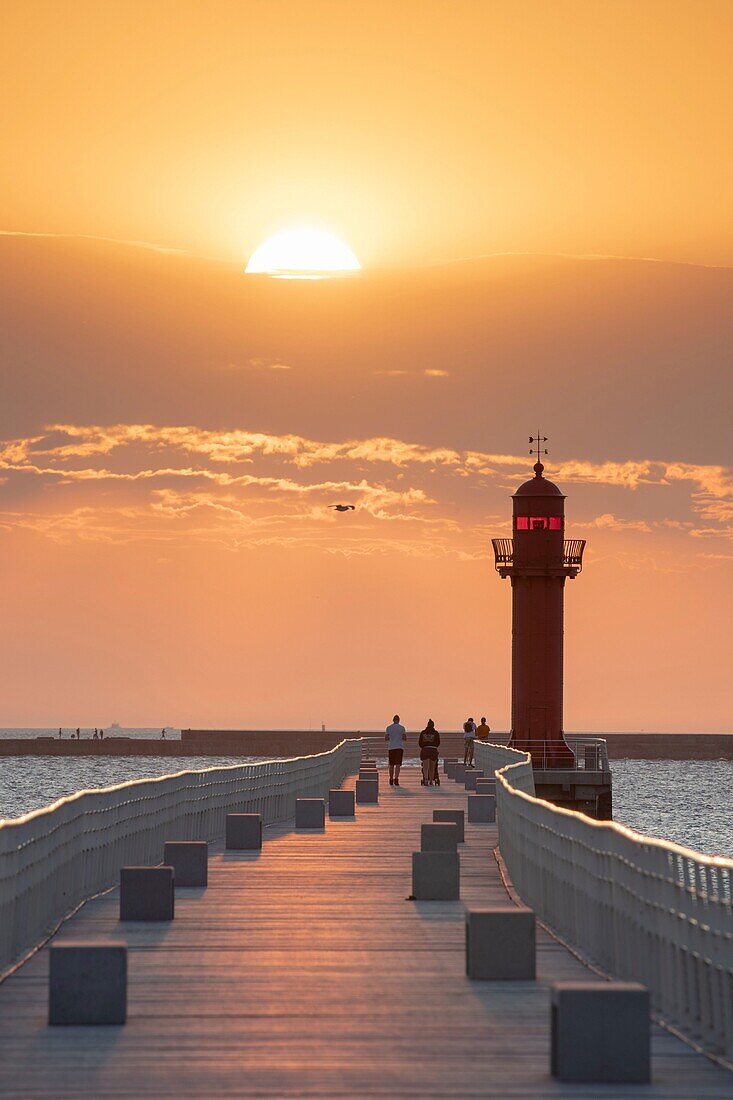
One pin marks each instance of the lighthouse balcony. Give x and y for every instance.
(572, 560)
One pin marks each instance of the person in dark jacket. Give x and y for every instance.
(428, 742)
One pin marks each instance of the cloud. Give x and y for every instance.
(428, 372)
(609, 521)
(264, 364)
(151, 481)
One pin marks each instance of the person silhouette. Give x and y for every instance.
(469, 733)
(428, 742)
(395, 736)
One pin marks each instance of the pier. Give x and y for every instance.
(301, 969)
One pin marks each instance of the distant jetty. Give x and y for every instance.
(273, 743)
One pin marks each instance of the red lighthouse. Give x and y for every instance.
(538, 559)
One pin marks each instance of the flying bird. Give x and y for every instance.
(344, 507)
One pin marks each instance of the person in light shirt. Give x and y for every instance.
(395, 736)
(469, 734)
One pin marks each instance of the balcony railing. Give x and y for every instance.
(503, 551)
(572, 554)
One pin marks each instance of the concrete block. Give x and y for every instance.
(310, 813)
(244, 832)
(459, 773)
(450, 768)
(485, 786)
(500, 944)
(370, 776)
(87, 982)
(440, 836)
(341, 803)
(481, 809)
(472, 777)
(436, 876)
(367, 790)
(189, 860)
(600, 1032)
(147, 893)
(457, 816)
(448, 760)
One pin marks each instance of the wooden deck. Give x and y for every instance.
(303, 971)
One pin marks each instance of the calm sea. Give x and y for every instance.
(687, 801)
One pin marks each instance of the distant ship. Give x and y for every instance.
(114, 727)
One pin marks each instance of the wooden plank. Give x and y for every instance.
(303, 971)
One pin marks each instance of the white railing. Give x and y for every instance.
(635, 907)
(53, 859)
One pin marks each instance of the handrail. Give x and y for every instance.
(636, 907)
(573, 550)
(54, 858)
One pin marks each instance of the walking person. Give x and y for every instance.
(395, 736)
(428, 742)
(469, 733)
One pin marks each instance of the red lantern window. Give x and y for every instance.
(538, 523)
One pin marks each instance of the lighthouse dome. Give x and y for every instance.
(538, 486)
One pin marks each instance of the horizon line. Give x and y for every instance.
(152, 246)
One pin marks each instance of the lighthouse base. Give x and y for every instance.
(589, 792)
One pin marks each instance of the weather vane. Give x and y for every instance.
(538, 440)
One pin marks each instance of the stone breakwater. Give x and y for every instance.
(272, 743)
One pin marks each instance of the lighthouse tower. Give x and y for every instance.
(538, 560)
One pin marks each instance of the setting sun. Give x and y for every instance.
(302, 253)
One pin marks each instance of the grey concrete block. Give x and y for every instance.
(459, 773)
(500, 944)
(244, 832)
(472, 776)
(448, 760)
(481, 809)
(600, 1032)
(436, 876)
(147, 893)
(450, 768)
(189, 860)
(371, 776)
(341, 803)
(458, 816)
(485, 786)
(440, 836)
(87, 982)
(367, 790)
(310, 813)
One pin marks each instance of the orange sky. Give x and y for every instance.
(420, 130)
(172, 432)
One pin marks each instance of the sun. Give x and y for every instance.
(302, 252)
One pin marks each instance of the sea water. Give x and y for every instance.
(687, 801)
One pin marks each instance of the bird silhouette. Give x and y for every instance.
(344, 507)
